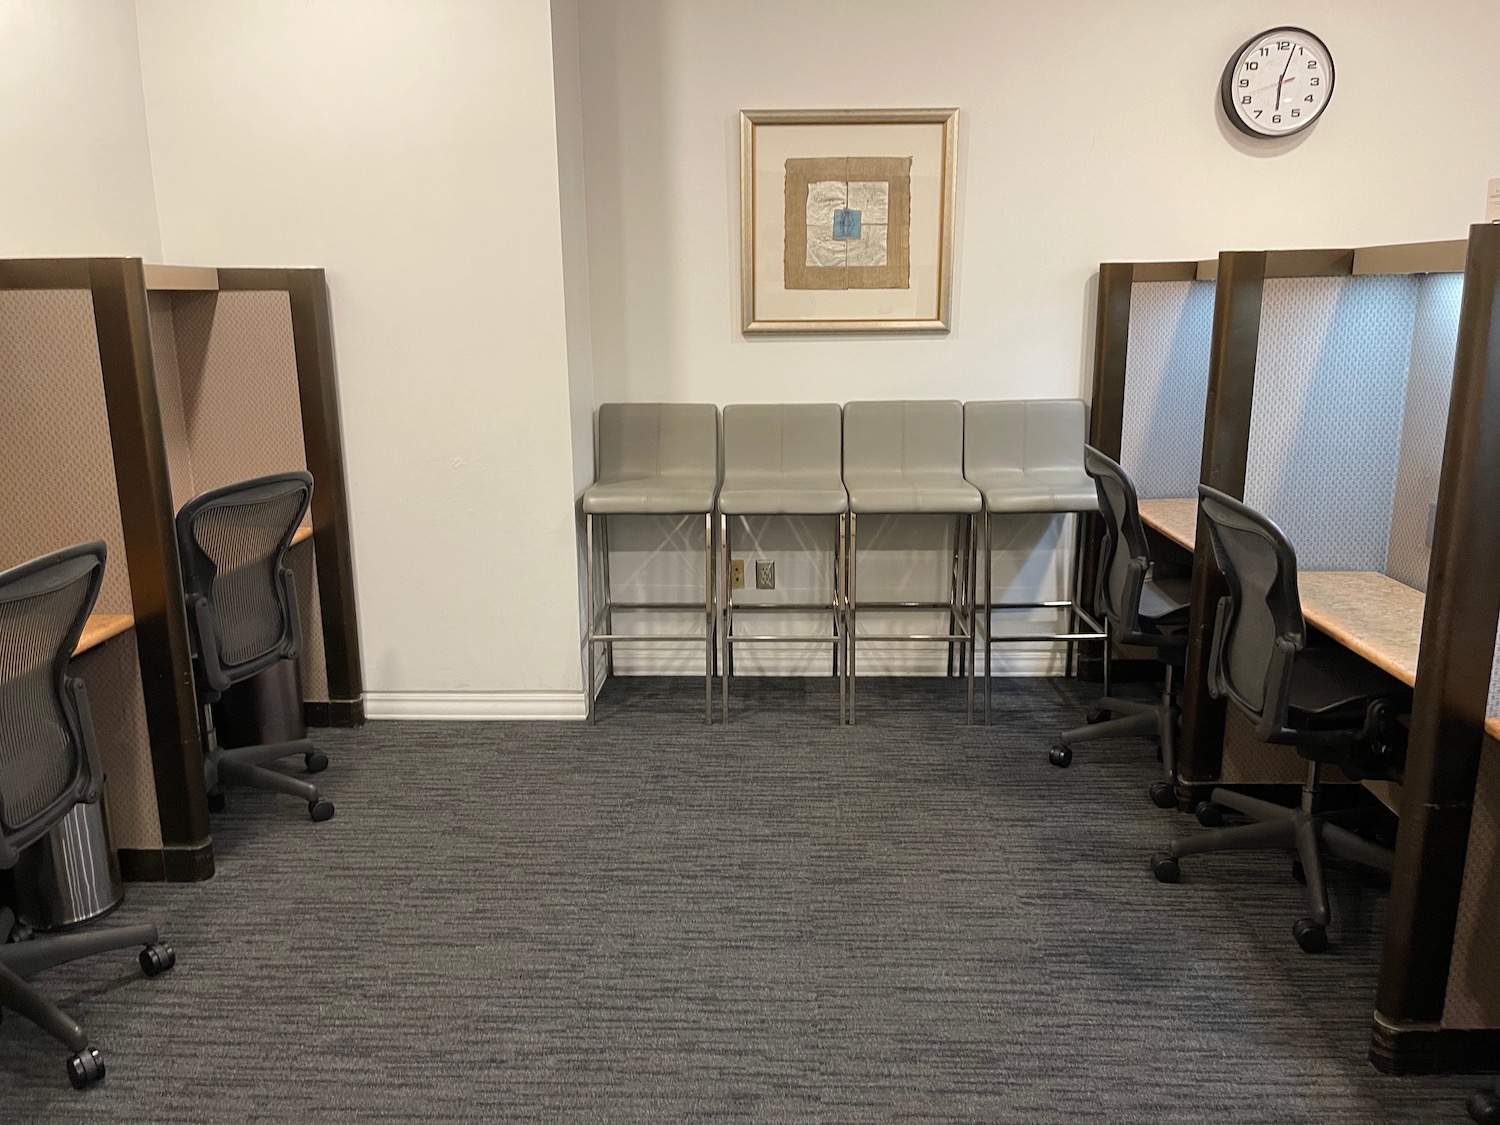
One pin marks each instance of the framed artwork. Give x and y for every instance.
(846, 219)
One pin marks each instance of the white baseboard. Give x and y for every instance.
(477, 705)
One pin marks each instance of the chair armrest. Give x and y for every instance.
(83, 719)
(1272, 724)
(1215, 648)
(202, 615)
(294, 623)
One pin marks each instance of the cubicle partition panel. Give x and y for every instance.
(1438, 1004)
(82, 458)
(244, 364)
(1151, 339)
(1166, 386)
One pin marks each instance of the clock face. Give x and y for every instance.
(1278, 83)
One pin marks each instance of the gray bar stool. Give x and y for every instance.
(907, 458)
(1026, 457)
(659, 459)
(782, 461)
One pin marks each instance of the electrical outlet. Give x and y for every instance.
(765, 574)
(737, 574)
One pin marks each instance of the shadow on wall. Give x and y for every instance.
(631, 251)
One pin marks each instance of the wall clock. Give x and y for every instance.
(1278, 83)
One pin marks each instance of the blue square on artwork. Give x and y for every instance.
(846, 223)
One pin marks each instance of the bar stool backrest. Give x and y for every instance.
(1025, 435)
(911, 437)
(48, 762)
(645, 439)
(792, 439)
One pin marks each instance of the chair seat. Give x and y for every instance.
(1166, 603)
(1037, 490)
(940, 492)
(668, 494)
(1331, 679)
(788, 494)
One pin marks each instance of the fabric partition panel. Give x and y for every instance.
(57, 471)
(1326, 420)
(1424, 426)
(1166, 386)
(112, 674)
(231, 410)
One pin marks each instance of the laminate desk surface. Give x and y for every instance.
(101, 627)
(302, 533)
(1370, 614)
(1176, 519)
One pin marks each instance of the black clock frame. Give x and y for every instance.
(1226, 88)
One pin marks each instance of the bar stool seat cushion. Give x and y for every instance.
(753, 493)
(872, 490)
(1036, 490)
(666, 494)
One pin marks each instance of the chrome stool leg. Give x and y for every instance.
(708, 618)
(588, 688)
(851, 626)
(726, 609)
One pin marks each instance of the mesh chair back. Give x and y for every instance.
(45, 762)
(1259, 625)
(1126, 559)
(233, 543)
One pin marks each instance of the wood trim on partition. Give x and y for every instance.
(1434, 1050)
(1458, 644)
(1413, 257)
(180, 279)
(1226, 439)
(44, 273)
(323, 449)
(122, 322)
(1308, 263)
(1106, 420)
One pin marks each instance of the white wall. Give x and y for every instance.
(75, 173)
(1089, 131)
(411, 149)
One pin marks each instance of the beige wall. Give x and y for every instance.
(75, 174)
(1090, 131)
(411, 149)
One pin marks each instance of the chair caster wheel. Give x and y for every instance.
(1060, 756)
(21, 932)
(1096, 715)
(1165, 868)
(157, 959)
(85, 1068)
(1164, 795)
(1312, 937)
(216, 801)
(1484, 1107)
(316, 762)
(320, 810)
(1299, 872)
(1209, 814)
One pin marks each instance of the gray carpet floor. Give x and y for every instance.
(778, 921)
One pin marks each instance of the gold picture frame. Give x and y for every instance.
(899, 276)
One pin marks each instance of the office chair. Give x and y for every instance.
(48, 766)
(1139, 609)
(1327, 702)
(242, 607)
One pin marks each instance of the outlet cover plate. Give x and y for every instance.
(737, 574)
(765, 574)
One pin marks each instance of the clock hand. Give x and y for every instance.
(1289, 55)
